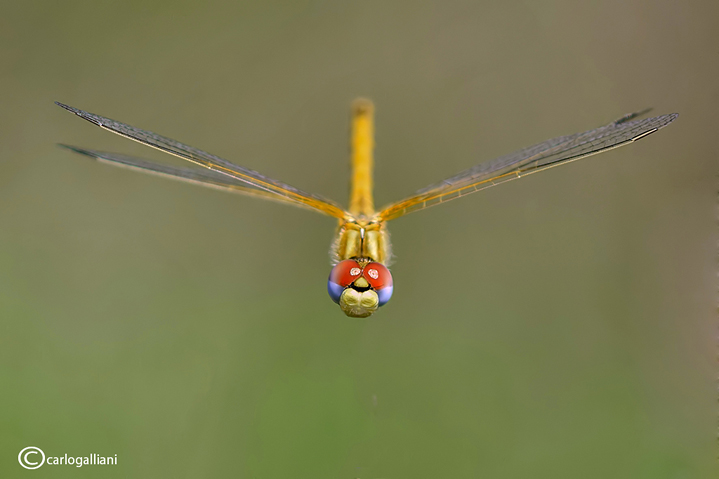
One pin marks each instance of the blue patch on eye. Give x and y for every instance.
(335, 291)
(384, 294)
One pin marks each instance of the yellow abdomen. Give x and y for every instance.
(360, 237)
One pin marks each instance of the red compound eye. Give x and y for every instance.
(377, 275)
(345, 272)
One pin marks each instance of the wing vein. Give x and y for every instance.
(533, 159)
(213, 163)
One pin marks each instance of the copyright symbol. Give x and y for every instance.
(26, 460)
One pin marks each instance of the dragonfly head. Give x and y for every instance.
(360, 286)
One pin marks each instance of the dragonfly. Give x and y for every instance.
(360, 281)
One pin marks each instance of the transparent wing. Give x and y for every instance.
(206, 178)
(255, 180)
(533, 159)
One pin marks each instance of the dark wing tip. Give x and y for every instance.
(667, 119)
(631, 116)
(81, 113)
(79, 150)
(69, 147)
(67, 107)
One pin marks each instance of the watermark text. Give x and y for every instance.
(33, 457)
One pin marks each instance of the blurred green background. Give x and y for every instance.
(561, 326)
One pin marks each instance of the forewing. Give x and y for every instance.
(214, 163)
(554, 152)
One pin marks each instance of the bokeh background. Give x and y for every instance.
(560, 326)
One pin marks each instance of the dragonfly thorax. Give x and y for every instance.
(361, 239)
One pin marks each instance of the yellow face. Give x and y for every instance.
(359, 304)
